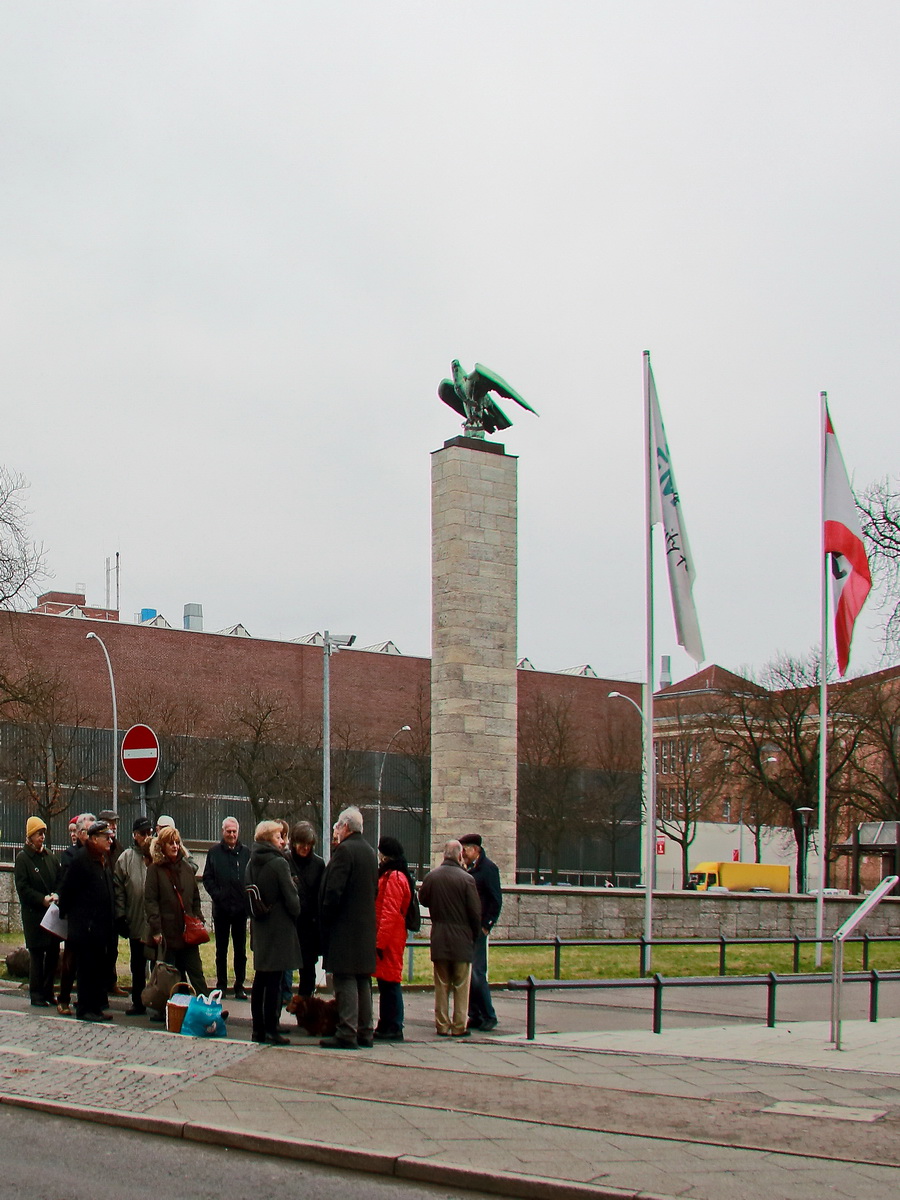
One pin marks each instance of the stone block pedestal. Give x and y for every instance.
(473, 671)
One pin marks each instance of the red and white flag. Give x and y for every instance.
(843, 540)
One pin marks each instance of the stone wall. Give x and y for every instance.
(545, 912)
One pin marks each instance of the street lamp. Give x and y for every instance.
(650, 829)
(804, 814)
(115, 747)
(402, 729)
(331, 643)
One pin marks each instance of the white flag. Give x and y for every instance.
(665, 507)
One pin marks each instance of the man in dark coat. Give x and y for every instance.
(451, 897)
(111, 817)
(348, 928)
(87, 900)
(223, 878)
(487, 880)
(78, 832)
(36, 878)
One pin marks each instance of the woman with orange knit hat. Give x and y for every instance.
(36, 875)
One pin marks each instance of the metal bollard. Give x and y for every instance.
(530, 1009)
(873, 996)
(770, 999)
(657, 1002)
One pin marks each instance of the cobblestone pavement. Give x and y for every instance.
(104, 1066)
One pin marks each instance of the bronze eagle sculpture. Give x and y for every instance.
(470, 396)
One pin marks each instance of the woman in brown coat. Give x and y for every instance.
(170, 890)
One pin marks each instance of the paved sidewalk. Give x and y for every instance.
(688, 1113)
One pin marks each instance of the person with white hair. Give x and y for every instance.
(349, 888)
(223, 878)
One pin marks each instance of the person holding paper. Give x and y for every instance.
(36, 876)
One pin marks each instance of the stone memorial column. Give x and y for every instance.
(473, 656)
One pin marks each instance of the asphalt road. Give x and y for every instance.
(52, 1158)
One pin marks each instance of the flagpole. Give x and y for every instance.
(823, 696)
(648, 773)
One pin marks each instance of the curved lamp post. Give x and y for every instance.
(650, 835)
(402, 729)
(115, 750)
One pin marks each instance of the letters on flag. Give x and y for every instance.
(665, 507)
(843, 540)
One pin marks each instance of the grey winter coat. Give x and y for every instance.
(129, 878)
(451, 897)
(273, 938)
(348, 926)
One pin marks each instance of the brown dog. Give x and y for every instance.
(318, 1017)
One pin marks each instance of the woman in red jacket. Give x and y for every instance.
(395, 886)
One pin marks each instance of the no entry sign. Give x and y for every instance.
(140, 753)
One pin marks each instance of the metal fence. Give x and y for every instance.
(643, 946)
(659, 983)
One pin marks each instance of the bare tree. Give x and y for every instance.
(350, 783)
(769, 729)
(45, 746)
(879, 507)
(261, 750)
(415, 773)
(758, 810)
(613, 786)
(21, 559)
(875, 703)
(550, 800)
(185, 759)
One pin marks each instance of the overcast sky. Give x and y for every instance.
(241, 243)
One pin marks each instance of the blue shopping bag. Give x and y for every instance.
(204, 1016)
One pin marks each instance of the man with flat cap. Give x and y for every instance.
(487, 880)
(87, 900)
(129, 875)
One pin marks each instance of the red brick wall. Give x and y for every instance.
(374, 694)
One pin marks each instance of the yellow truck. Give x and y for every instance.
(740, 877)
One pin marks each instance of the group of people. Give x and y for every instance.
(352, 912)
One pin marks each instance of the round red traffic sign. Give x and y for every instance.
(140, 753)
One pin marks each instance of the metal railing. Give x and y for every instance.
(644, 946)
(837, 955)
(658, 983)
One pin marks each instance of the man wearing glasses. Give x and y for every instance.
(87, 900)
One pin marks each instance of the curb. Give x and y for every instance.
(373, 1162)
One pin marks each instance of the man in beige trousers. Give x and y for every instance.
(451, 897)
